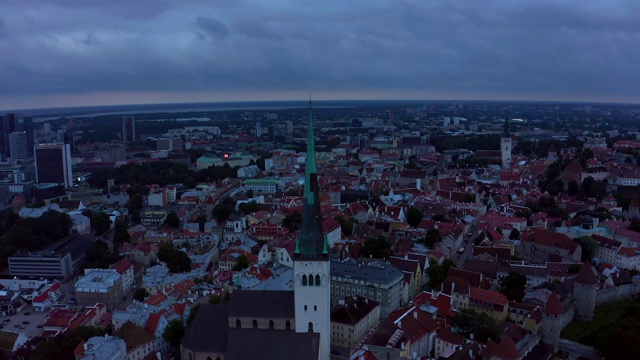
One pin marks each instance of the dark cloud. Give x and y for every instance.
(535, 49)
(215, 28)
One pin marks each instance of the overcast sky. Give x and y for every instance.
(94, 52)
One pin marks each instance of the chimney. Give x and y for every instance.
(415, 315)
(406, 256)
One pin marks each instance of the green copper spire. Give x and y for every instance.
(310, 162)
(311, 242)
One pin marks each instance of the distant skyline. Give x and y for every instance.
(93, 52)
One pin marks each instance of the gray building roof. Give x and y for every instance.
(271, 345)
(209, 330)
(258, 304)
(374, 271)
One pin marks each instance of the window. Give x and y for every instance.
(305, 308)
(310, 327)
(315, 307)
(238, 324)
(288, 325)
(271, 325)
(255, 324)
(317, 280)
(304, 280)
(310, 280)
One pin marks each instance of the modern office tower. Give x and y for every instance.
(128, 129)
(27, 126)
(7, 127)
(18, 146)
(53, 164)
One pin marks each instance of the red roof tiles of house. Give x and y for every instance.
(551, 238)
(554, 306)
(587, 275)
(506, 349)
(490, 296)
(451, 337)
(156, 299)
(121, 266)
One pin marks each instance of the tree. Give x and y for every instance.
(513, 285)
(121, 231)
(292, 221)
(172, 220)
(242, 263)
(177, 261)
(589, 247)
(100, 222)
(514, 234)
(174, 332)
(432, 237)
(414, 216)
(222, 211)
(377, 247)
(483, 326)
(140, 294)
(250, 207)
(214, 299)
(572, 188)
(97, 255)
(438, 272)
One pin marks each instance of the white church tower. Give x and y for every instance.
(505, 143)
(311, 260)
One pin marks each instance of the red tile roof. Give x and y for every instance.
(554, 306)
(506, 349)
(488, 296)
(586, 275)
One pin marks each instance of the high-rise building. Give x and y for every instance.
(27, 126)
(18, 146)
(311, 266)
(7, 127)
(53, 164)
(128, 129)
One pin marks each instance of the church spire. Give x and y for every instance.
(506, 125)
(311, 242)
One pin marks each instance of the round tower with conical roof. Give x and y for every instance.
(551, 321)
(584, 292)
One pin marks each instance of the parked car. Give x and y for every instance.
(26, 322)
(27, 313)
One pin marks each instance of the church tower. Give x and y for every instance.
(311, 259)
(505, 143)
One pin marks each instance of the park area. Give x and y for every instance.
(604, 315)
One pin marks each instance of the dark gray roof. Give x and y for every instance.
(208, 332)
(376, 271)
(74, 243)
(268, 303)
(271, 345)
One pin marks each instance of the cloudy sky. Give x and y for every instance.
(94, 52)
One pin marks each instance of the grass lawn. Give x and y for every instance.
(603, 315)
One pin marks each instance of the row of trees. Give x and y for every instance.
(177, 261)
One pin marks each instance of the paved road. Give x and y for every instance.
(468, 246)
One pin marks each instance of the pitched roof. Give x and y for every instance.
(490, 296)
(352, 310)
(197, 337)
(554, 306)
(272, 304)
(587, 275)
(506, 349)
(271, 345)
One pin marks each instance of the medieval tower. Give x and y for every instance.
(505, 143)
(584, 292)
